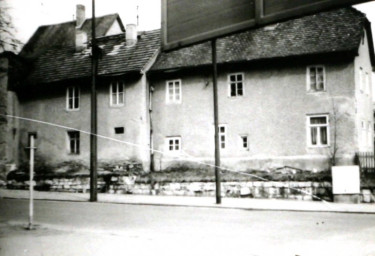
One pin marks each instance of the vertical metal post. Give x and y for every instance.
(93, 138)
(31, 185)
(216, 123)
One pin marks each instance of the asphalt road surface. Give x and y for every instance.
(79, 228)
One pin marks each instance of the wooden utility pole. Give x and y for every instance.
(93, 137)
(216, 123)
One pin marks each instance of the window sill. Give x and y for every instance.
(72, 110)
(315, 91)
(236, 97)
(117, 106)
(173, 103)
(319, 146)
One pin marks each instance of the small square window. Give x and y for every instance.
(244, 142)
(174, 144)
(119, 130)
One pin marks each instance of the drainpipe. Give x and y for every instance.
(152, 166)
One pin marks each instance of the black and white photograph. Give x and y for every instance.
(187, 127)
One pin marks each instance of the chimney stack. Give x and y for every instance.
(131, 34)
(80, 15)
(80, 35)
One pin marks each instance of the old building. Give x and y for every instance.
(296, 93)
(54, 96)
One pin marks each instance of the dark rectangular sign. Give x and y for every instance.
(187, 22)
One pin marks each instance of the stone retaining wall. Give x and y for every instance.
(128, 185)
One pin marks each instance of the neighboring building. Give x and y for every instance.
(56, 90)
(294, 94)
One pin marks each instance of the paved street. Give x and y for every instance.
(80, 228)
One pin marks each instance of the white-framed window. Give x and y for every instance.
(244, 139)
(318, 130)
(236, 84)
(117, 93)
(173, 91)
(223, 136)
(73, 142)
(316, 80)
(72, 98)
(173, 144)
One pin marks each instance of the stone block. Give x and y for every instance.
(366, 195)
(245, 191)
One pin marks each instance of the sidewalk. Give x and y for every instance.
(230, 203)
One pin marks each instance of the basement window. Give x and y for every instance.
(244, 142)
(119, 130)
(174, 144)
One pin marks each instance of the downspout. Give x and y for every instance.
(152, 166)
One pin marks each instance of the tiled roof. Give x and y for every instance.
(61, 63)
(333, 31)
(63, 34)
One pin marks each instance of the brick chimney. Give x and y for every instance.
(131, 34)
(80, 15)
(80, 35)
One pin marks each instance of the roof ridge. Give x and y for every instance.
(73, 21)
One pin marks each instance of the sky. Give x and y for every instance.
(28, 15)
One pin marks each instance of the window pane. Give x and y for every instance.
(313, 84)
(70, 104)
(232, 89)
(239, 77)
(313, 135)
(318, 120)
(244, 142)
(77, 146)
(76, 102)
(121, 98)
(177, 144)
(120, 87)
(320, 86)
(232, 78)
(239, 89)
(323, 136)
(222, 129)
